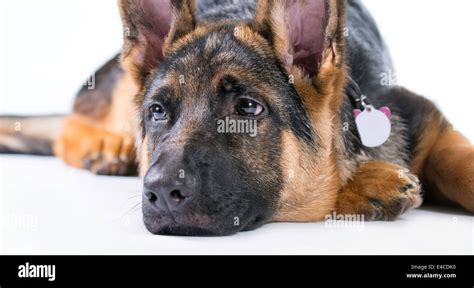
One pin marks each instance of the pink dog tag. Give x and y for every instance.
(373, 125)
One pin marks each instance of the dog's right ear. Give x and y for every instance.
(150, 27)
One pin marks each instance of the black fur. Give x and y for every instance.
(214, 10)
(95, 101)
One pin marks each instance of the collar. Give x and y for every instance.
(357, 98)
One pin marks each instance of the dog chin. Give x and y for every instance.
(162, 223)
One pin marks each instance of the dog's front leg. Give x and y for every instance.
(380, 191)
(84, 144)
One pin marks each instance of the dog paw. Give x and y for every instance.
(111, 155)
(405, 195)
(382, 191)
(85, 146)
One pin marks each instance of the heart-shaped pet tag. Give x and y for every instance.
(373, 125)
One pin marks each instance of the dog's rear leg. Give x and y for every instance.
(449, 169)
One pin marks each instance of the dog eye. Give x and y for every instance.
(158, 112)
(248, 107)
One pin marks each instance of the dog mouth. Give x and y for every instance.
(199, 225)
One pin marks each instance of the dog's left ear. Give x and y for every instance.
(308, 34)
(150, 28)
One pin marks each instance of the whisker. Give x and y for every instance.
(135, 196)
(133, 209)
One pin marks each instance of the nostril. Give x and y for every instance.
(151, 197)
(177, 196)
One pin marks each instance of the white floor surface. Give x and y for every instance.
(54, 209)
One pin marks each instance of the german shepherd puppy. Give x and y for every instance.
(286, 66)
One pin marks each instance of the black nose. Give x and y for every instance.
(169, 187)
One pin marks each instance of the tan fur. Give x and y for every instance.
(122, 117)
(391, 186)
(143, 158)
(426, 142)
(40, 128)
(449, 168)
(82, 140)
(310, 182)
(128, 62)
(245, 34)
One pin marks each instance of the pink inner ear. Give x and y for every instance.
(386, 111)
(356, 112)
(158, 16)
(306, 27)
(154, 26)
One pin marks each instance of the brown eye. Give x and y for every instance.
(248, 107)
(157, 112)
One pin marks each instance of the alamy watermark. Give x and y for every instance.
(89, 83)
(27, 222)
(351, 221)
(37, 271)
(388, 78)
(237, 126)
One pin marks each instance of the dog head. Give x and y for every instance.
(236, 118)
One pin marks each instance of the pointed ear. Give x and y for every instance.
(150, 27)
(307, 34)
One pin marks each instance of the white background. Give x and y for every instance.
(47, 48)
